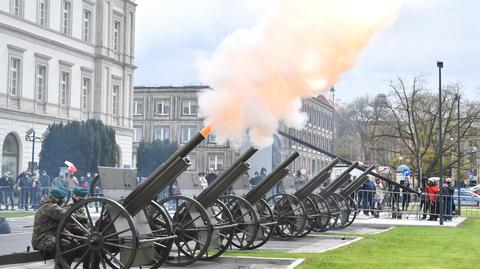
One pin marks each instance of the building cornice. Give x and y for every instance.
(15, 48)
(42, 56)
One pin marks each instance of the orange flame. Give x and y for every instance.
(206, 130)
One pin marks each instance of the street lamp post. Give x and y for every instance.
(459, 157)
(31, 136)
(440, 141)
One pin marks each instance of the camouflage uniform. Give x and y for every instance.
(47, 219)
(79, 215)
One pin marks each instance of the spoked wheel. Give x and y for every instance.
(312, 216)
(344, 206)
(223, 230)
(99, 243)
(246, 218)
(267, 224)
(335, 212)
(161, 225)
(353, 212)
(290, 214)
(192, 227)
(323, 220)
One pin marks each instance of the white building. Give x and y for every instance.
(64, 60)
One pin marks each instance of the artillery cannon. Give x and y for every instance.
(226, 226)
(131, 229)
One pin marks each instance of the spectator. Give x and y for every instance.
(424, 203)
(24, 183)
(211, 176)
(35, 191)
(432, 191)
(405, 194)
(369, 191)
(8, 191)
(379, 195)
(3, 185)
(60, 182)
(255, 179)
(88, 180)
(72, 182)
(202, 180)
(448, 191)
(299, 180)
(395, 199)
(45, 183)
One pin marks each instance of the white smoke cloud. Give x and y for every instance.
(299, 49)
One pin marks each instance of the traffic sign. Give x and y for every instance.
(406, 173)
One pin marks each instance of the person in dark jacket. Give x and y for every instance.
(448, 191)
(369, 192)
(25, 184)
(3, 186)
(45, 183)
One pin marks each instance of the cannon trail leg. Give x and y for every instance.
(247, 221)
(191, 225)
(223, 230)
(267, 224)
(290, 214)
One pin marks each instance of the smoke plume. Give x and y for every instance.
(299, 49)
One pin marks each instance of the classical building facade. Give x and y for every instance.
(171, 113)
(318, 131)
(64, 60)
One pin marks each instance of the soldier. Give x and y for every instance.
(78, 194)
(47, 219)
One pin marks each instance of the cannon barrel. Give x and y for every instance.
(316, 181)
(225, 180)
(270, 180)
(163, 176)
(333, 186)
(354, 185)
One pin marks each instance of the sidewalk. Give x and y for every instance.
(371, 222)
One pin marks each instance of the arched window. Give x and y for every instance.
(10, 155)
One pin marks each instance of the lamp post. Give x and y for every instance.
(440, 140)
(332, 90)
(459, 157)
(30, 135)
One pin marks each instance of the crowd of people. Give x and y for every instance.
(25, 191)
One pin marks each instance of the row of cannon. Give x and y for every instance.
(132, 229)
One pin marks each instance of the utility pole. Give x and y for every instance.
(440, 141)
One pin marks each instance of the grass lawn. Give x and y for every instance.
(405, 248)
(15, 214)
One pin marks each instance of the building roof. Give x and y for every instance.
(322, 99)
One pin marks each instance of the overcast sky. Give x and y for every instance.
(172, 34)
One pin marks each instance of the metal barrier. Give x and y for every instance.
(406, 205)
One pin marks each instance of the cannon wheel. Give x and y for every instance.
(161, 224)
(345, 211)
(267, 224)
(247, 222)
(193, 229)
(96, 242)
(312, 216)
(353, 212)
(290, 214)
(225, 224)
(323, 220)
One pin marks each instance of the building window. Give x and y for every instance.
(64, 87)
(86, 86)
(87, 18)
(162, 133)
(66, 16)
(42, 12)
(138, 107)
(115, 92)
(137, 134)
(16, 7)
(187, 133)
(162, 107)
(116, 35)
(215, 162)
(192, 157)
(189, 107)
(41, 82)
(15, 78)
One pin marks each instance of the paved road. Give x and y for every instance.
(19, 239)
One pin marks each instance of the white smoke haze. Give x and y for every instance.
(299, 49)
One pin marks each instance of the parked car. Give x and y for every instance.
(467, 198)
